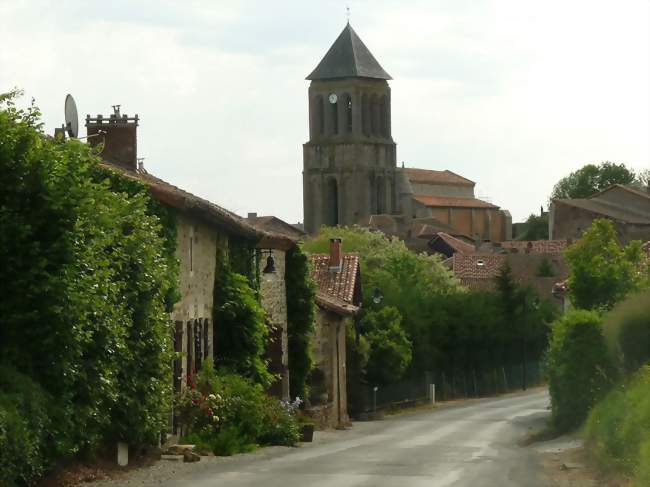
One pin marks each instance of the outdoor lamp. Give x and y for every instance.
(270, 265)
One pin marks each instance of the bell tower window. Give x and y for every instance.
(334, 117)
(348, 114)
(320, 116)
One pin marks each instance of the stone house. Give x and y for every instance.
(338, 299)
(350, 174)
(628, 208)
(204, 230)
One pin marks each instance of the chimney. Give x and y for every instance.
(252, 215)
(335, 255)
(118, 134)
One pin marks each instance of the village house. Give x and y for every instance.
(338, 298)
(627, 207)
(203, 230)
(539, 264)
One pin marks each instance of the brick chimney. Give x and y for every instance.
(118, 134)
(335, 255)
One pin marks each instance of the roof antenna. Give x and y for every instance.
(347, 13)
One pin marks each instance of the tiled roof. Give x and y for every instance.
(336, 287)
(536, 246)
(606, 208)
(436, 177)
(456, 244)
(477, 266)
(275, 224)
(175, 197)
(348, 58)
(449, 202)
(629, 189)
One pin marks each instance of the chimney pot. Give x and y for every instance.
(335, 255)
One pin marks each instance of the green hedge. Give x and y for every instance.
(627, 330)
(26, 429)
(618, 428)
(87, 277)
(579, 367)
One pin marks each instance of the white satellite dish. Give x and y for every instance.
(71, 117)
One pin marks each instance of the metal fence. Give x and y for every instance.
(449, 385)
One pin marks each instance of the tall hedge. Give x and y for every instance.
(87, 276)
(579, 367)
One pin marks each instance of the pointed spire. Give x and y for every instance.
(348, 58)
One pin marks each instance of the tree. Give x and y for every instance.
(536, 228)
(601, 271)
(590, 179)
(390, 347)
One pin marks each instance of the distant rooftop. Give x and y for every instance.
(348, 58)
(431, 176)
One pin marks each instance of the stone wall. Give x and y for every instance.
(329, 351)
(274, 301)
(196, 251)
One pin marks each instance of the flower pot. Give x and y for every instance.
(306, 432)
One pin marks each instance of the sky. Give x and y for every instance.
(511, 94)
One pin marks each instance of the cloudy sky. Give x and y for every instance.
(511, 94)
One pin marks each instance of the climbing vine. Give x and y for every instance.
(300, 319)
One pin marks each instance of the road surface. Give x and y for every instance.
(469, 445)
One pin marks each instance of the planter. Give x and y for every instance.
(306, 432)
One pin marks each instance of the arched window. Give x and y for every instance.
(381, 196)
(334, 117)
(374, 115)
(383, 117)
(320, 116)
(365, 115)
(332, 203)
(347, 99)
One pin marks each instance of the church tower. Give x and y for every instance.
(349, 160)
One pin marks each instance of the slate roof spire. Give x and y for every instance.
(348, 58)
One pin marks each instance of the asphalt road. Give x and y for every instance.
(469, 445)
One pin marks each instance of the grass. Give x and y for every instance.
(617, 431)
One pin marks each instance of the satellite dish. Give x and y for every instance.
(71, 117)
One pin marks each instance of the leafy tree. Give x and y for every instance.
(601, 271)
(390, 347)
(410, 282)
(590, 179)
(536, 227)
(300, 319)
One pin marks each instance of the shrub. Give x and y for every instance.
(26, 445)
(627, 330)
(280, 425)
(618, 427)
(390, 347)
(579, 367)
(228, 414)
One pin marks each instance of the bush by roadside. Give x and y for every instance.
(618, 428)
(579, 367)
(226, 414)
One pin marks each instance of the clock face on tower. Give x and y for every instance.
(333, 98)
